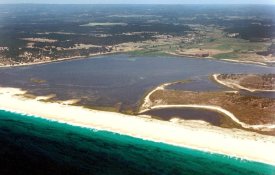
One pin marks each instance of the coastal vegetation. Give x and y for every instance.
(175, 30)
(148, 91)
(247, 108)
(249, 82)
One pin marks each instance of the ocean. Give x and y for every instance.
(32, 145)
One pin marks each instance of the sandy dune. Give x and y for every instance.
(197, 135)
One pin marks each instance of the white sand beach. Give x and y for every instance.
(197, 135)
(147, 102)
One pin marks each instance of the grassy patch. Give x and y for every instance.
(147, 53)
(239, 45)
(230, 55)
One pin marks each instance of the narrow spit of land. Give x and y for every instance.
(240, 110)
(248, 82)
(232, 142)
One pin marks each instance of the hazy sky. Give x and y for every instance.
(141, 1)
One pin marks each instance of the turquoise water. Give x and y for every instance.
(30, 145)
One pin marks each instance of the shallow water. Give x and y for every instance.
(199, 84)
(118, 80)
(31, 145)
(208, 116)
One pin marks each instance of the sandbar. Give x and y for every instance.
(196, 135)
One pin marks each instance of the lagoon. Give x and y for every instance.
(118, 80)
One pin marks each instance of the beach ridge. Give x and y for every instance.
(190, 134)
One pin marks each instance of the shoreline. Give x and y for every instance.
(237, 86)
(195, 135)
(217, 109)
(225, 60)
(119, 52)
(147, 106)
(60, 60)
(146, 100)
(246, 62)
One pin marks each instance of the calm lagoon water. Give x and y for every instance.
(30, 145)
(119, 80)
(212, 117)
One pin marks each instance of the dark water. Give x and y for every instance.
(33, 146)
(202, 83)
(211, 117)
(117, 79)
(205, 83)
(259, 94)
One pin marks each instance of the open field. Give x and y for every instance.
(231, 36)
